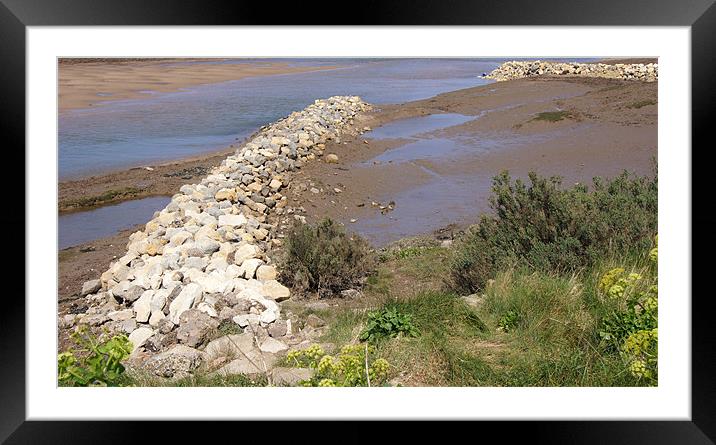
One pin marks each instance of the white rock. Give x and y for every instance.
(248, 267)
(267, 316)
(245, 252)
(272, 345)
(265, 272)
(243, 320)
(274, 290)
(140, 336)
(184, 301)
(142, 307)
(207, 309)
(232, 220)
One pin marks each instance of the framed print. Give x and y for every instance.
(389, 219)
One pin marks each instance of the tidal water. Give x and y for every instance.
(126, 133)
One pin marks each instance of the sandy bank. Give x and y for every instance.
(83, 85)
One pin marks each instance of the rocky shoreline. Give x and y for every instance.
(204, 259)
(631, 71)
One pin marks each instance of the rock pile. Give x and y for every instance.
(517, 69)
(203, 259)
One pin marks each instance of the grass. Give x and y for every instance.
(641, 103)
(553, 116)
(199, 379)
(554, 343)
(104, 198)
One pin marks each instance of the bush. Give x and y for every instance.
(95, 362)
(388, 322)
(350, 367)
(324, 259)
(549, 228)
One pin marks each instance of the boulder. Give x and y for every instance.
(90, 287)
(184, 301)
(276, 291)
(245, 252)
(290, 376)
(195, 328)
(176, 362)
(265, 273)
(139, 336)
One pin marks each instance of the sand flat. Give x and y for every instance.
(82, 85)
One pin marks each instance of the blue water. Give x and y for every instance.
(81, 227)
(165, 126)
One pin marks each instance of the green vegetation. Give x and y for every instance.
(549, 228)
(641, 103)
(388, 322)
(566, 293)
(104, 198)
(95, 361)
(553, 116)
(324, 258)
(354, 365)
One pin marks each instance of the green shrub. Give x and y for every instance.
(324, 258)
(553, 116)
(549, 228)
(352, 366)
(95, 362)
(388, 322)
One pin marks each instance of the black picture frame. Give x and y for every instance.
(700, 15)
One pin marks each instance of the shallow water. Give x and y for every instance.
(414, 126)
(200, 119)
(81, 227)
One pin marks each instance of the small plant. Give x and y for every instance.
(632, 328)
(95, 362)
(351, 367)
(641, 103)
(387, 323)
(325, 259)
(508, 321)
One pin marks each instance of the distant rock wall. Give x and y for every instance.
(518, 69)
(203, 259)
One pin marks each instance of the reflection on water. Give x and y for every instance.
(81, 227)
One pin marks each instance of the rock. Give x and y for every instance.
(279, 328)
(276, 291)
(232, 220)
(243, 320)
(331, 158)
(272, 345)
(245, 252)
(132, 294)
(142, 307)
(275, 184)
(184, 301)
(248, 267)
(165, 326)
(195, 327)
(128, 326)
(122, 315)
(290, 376)
(474, 300)
(139, 336)
(90, 287)
(207, 246)
(265, 273)
(315, 321)
(268, 316)
(176, 362)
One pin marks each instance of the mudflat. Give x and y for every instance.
(84, 84)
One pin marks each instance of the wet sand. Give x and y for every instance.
(83, 85)
(613, 126)
(610, 130)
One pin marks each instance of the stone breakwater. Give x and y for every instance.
(517, 70)
(203, 259)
